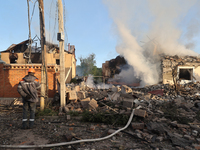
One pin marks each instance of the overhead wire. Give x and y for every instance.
(56, 15)
(50, 19)
(33, 10)
(65, 24)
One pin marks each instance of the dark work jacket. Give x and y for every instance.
(28, 87)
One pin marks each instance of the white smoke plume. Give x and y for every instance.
(90, 84)
(156, 23)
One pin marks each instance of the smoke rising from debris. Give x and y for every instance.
(147, 28)
(90, 84)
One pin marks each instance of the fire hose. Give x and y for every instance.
(72, 142)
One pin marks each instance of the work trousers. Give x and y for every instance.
(28, 106)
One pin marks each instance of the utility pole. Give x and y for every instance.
(30, 40)
(43, 49)
(62, 55)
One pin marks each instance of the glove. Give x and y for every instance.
(28, 97)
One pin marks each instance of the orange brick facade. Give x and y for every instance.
(11, 74)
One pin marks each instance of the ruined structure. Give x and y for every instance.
(14, 66)
(173, 69)
(112, 67)
(180, 69)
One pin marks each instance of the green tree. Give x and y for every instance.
(88, 66)
(96, 71)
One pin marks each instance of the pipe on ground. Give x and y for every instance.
(72, 142)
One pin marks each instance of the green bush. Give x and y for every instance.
(73, 81)
(103, 117)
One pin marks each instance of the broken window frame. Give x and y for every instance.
(182, 81)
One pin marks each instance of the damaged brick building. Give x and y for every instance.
(14, 66)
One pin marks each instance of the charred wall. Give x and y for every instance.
(112, 67)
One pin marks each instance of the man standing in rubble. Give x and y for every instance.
(27, 88)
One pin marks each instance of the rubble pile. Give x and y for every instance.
(168, 119)
(165, 116)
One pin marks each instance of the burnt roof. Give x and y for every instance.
(13, 46)
(22, 47)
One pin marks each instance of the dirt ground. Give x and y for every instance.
(57, 129)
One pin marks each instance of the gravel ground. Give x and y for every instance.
(56, 129)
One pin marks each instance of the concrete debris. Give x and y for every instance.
(166, 114)
(116, 88)
(72, 95)
(77, 88)
(114, 96)
(167, 119)
(85, 102)
(140, 113)
(125, 89)
(138, 125)
(93, 104)
(81, 95)
(128, 103)
(168, 109)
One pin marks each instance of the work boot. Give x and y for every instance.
(31, 124)
(24, 125)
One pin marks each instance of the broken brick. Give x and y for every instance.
(137, 125)
(70, 129)
(196, 146)
(85, 102)
(157, 92)
(128, 102)
(77, 88)
(140, 113)
(81, 95)
(72, 95)
(68, 137)
(93, 104)
(92, 127)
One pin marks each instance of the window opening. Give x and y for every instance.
(186, 73)
(58, 61)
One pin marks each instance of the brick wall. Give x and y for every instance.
(11, 74)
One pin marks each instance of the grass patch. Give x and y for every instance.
(103, 117)
(46, 112)
(73, 113)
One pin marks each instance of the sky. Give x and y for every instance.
(108, 28)
(87, 26)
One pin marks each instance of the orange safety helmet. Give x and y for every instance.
(31, 70)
